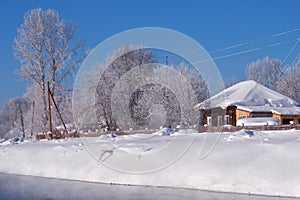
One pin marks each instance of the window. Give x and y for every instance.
(209, 121)
(242, 117)
(287, 121)
(226, 119)
(261, 115)
(219, 122)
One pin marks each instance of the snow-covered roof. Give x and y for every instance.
(255, 108)
(276, 110)
(248, 93)
(286, 111)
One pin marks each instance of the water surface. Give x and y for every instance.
(29, 187)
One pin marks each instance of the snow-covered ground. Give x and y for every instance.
(245, 161)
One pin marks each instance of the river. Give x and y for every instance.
(29, 187)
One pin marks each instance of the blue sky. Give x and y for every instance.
(214, 24)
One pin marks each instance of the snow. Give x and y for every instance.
(286, 111)
(248, 135)
(69, 126)
(257, 121)
(276, 110)
(246, 161)
(255, 108)
(249, 93)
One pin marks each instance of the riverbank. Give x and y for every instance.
(252, 162)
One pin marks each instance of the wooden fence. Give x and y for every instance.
(259, 128)
(58, 135)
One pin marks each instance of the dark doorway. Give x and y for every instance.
(286, 121)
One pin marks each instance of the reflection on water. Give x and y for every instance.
(28, 187)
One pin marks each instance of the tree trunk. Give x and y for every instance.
(49, 110)
(22, 120)
(32, 118)
(45, 114)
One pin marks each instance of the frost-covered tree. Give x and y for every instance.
(119, 63)
(34, 114)
(4, 125)
(194, 78)
(48, 51)
(12, 118)
(133, 90)
(177, 90)
(267, 72)
(230, 81)
(290, 82)
(94, 88)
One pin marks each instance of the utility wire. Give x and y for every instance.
(255, 41)
(250, 50)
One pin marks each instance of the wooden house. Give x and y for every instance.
(248, 99)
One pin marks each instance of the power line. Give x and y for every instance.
(286, 32)
(255, 41)
(295, 60)
(226, 56)
(284, 60)
(289, 53)
(249, 51)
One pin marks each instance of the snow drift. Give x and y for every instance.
(257, 121)
(245, 161)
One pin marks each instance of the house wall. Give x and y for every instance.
(234, 114)
(218, 112)
(261, 114)
(247, 114)
(278, 117)
(231, 112)
(240, 113)
(203, 115)
(214, 113)
(284, 118)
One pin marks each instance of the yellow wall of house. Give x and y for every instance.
(295, 118)
(278, 117)
(241, 113)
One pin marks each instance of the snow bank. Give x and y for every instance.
(257, 121)
(247, 135)
(245, 161)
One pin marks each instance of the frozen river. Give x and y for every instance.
(28, 187)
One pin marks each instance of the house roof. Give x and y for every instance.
(255, 108)
(248, 93)
(286, 111)
(275, 110)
